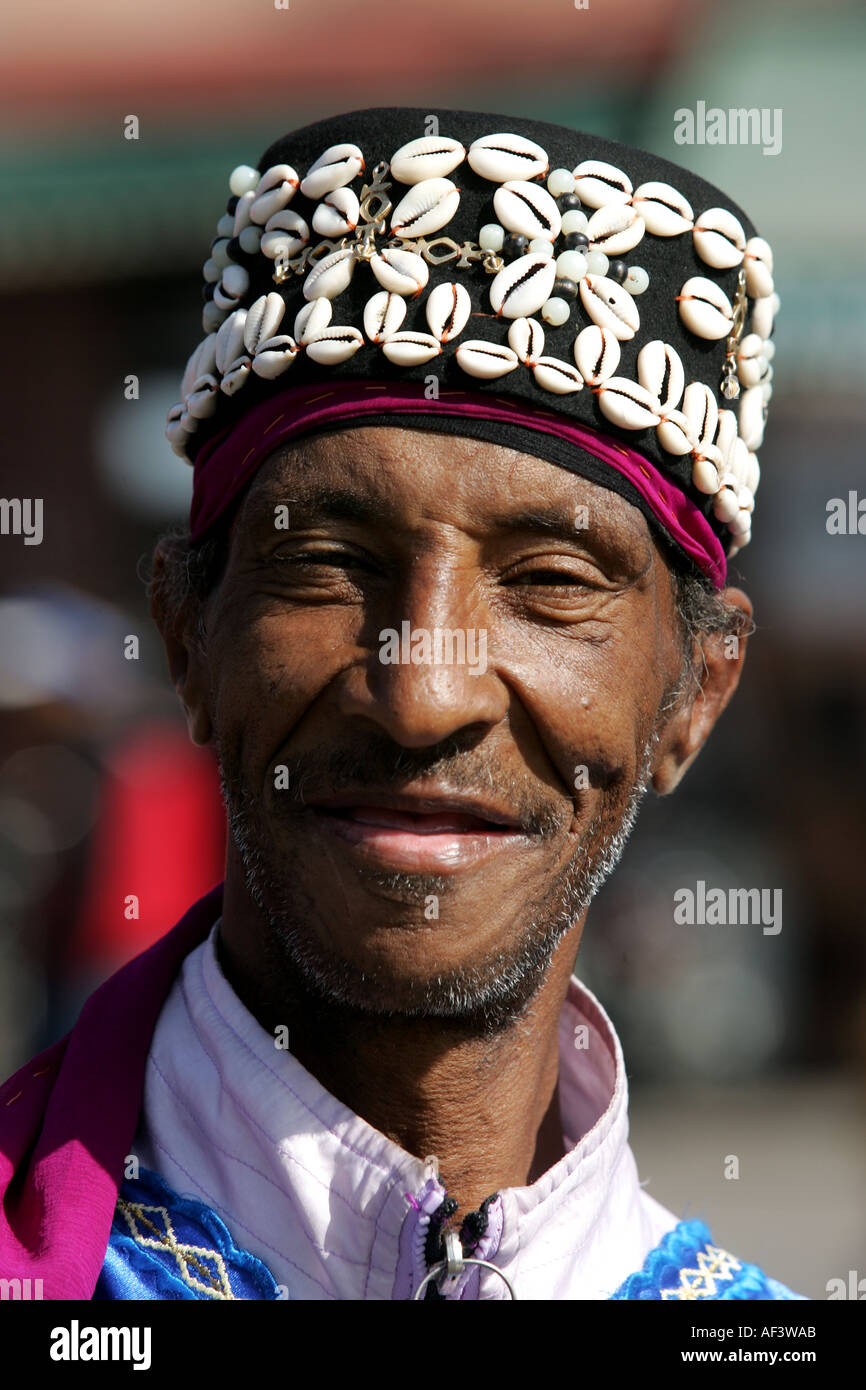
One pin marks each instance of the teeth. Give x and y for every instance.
(505, 156)
(719, 239)
(401, 272)
(335, 344)
(411, 349)
(486, 360)
(429, 157)
(336, 167)
(597, 184)
(615, 229)
(596, 352)
(383, 314)
(427, 207)
(448, 308)
(523, 286)
(556, 376)
(527, 209)
(610, 306)
(705, 308)
(526, 338)
(660, 370)
(664, 210)
(337, 213)
(275, 356)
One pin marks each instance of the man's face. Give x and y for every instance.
(419, 835)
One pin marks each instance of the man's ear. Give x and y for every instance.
(177, 620)
(691, 724)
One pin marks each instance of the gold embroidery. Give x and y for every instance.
(186, 1256)
(713, 1265)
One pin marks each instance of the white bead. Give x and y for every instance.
(491, 237)
(637, 280)
(574, 221)
(212, 316)
(251, 240)
(220, 254)
(242, 179)
(236, 281)
(555, 311)
(226, 225)
(597, 263)
(540, 246)
(560, 181)
(211, 271)
(571, 265)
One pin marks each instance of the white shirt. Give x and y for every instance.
(335, 1209)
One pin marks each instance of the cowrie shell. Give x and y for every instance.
(741, 523)
(197, 363)
(674, 433)
(401, 272)
(726, 505)
(264, 317)
(705, 308)
(522, 286)
(410, 349)
(705, 476)
(627, 404)
(285, 234)
(758, 261)
(275, 356)
(229, 342)
(232, 287)
(202, 399)
(753, 473)
(528, 209)
(335, 344)
(597, 183)
(660, 370)
(312, 320)
(276, 189)
(727, 433)
(242, 213)
(610, 306)
(486, 360)
(554, 375)
(738, 461)
(236, 375)
(427, 207)
(702, 412)
(526, 338)
(176, 432)
(763, 314)
(336, 167)
(383, 314)
(663, 208)
(719, 239)
(615, 229)
(428, 157)
(331, 275)
(504, 155)
(596, 352)
(751, 417)
(337, 214)
(749, 365)
(448, 308)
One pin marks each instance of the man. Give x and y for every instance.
(474, 426)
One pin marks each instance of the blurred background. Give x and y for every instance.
(737, 1043)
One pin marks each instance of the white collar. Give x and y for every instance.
(337, 1210)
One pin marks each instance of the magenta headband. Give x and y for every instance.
(228, 461)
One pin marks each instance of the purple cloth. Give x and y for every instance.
(68, 1120)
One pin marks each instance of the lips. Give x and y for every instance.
(420, 814)
(417, 823)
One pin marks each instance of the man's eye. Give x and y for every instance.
(550, 577)
(333, 559)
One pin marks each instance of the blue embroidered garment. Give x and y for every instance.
(163, 1246)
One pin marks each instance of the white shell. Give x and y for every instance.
(660, 370)
(554, 375)
(337, 214)
(229, 342)
(312, 320)
(202, 399)
(627, 404)
(758, 261)
(727, 433)
(285, 234)
(427, 207)
(738, 462)
(428, 157)
(753, 473)
(526, 337)
(276, 189)
(264, 317)
(702, 411)
(675, 433)
(597, 184)
(763, 314)
(528, 209)
(486, 360)
(335, 344)
(448, 308)
(596, 352)
(336, 167)
(236, 376)
(751, 417)
(663, 208)
(522, 286)
(719, 238)
(749, 364)
(610, 306)
(705, 308)
(411, 349)
(726, 505)
(233, 286)
(402, 272)
(705, 476)
(615, 229)
(383, 314)
(242, 213)
(275, 356)
(201, 360)
(504, 155)
(331, 275)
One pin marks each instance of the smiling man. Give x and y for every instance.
(452, 599)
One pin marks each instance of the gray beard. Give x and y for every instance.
(479, 999)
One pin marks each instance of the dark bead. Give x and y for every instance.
(235, 251)
(567, 202)
(514, 245)
(231, 205)
(207, 292)
(576, 241)
(617, 271)
(566, 289)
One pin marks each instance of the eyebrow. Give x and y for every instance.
(551, 521)
(323, 503)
